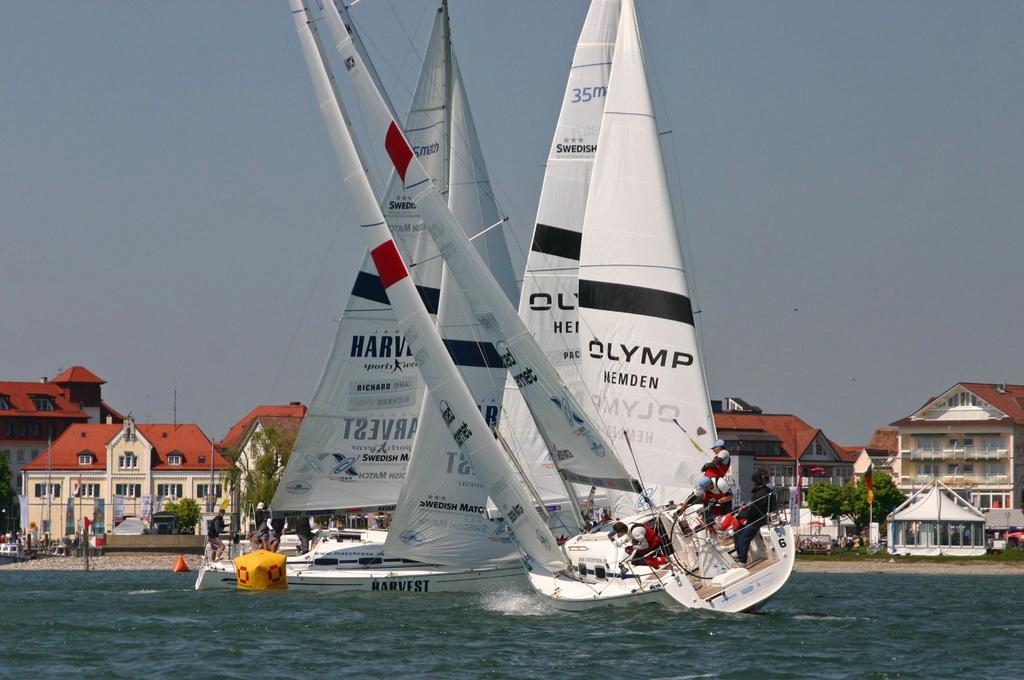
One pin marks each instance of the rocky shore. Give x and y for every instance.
(126, 561)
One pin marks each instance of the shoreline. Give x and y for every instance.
(129, 561)
(885, 566)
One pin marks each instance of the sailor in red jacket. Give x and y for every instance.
(718, 466)
(645, 544)
(716, 497)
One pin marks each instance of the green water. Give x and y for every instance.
(153, 625)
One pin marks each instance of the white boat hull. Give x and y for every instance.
(334, 565)
(730, 587)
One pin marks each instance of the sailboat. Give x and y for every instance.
(370, 409)
(640, 344)
(640, 360)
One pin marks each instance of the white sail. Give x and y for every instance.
(548, 302)
(640, 356)
(583, 454)
(441, 515)
(450, 395)
(358, 434)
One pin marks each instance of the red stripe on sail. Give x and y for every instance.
(389, 263)
(398, 149)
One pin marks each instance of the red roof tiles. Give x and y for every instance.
(19, 395)
(284, 416)
(1010, 401)
(186, 439)
(794, 435)
(78, 374)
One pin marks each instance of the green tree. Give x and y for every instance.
(188, 514)
(8, 500)
(851, 500)
(258, 474)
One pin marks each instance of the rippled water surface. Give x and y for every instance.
(153, 624)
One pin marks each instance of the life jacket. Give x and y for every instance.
(650, 535)
(717, 468)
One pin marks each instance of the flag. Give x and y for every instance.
(87, 522)
(869, 482)
(78, 487)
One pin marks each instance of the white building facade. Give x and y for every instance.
(970, 438)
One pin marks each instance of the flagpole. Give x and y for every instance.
(49, 488)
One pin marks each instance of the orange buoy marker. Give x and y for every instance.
(261, 570)
(180, 567)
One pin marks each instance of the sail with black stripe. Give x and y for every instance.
(548, 304)
(640, 356)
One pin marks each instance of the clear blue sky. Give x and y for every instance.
(852, 175)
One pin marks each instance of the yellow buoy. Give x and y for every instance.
(261, 570)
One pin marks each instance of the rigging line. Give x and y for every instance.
(635, 266)
(406, 33)
(309, 298)
(481, 233)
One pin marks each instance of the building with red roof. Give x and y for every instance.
(120, 470)
(35, 413)
(784, 445)
(239, 439)
(283, 416)
(971, 438)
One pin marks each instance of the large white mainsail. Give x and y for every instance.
(640, 356)
(548, 302)
(452, 398)
(357, 437)
(441, 514)
(582, 454)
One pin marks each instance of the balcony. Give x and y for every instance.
(924, 454)
(955, 480)
(781, 480)
(962, 453)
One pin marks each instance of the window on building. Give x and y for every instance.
(128, 460)
(203, 490)
(174, 459)
(928, 469)
(21, 455)
(952, 469)
(990, 470)
(85, 459)
(172, 490)
(5, 403)
(129, 490)
(21, 429)
(928, 443)
(43, 402)
(992, 443)
(41, 490)
(89, 491)
(991, 501)
(8, 430)
(34, 430)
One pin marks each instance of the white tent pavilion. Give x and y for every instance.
(936, 521)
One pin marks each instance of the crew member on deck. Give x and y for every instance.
(763, 502)
(716, 497)
(645, 544)
(718, 466)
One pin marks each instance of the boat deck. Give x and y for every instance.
(708, 591)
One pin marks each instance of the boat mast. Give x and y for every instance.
(456, 404)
